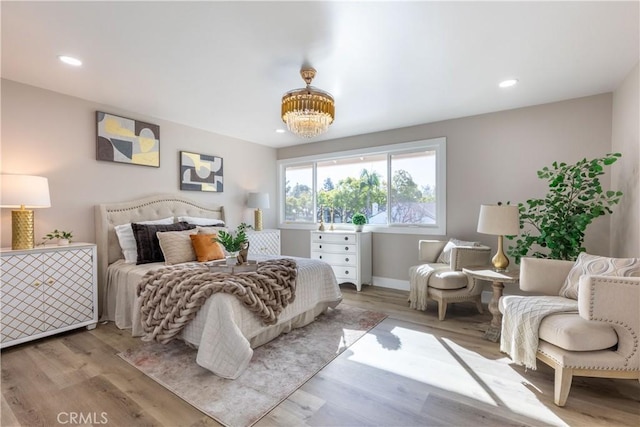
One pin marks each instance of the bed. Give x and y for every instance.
(224, 331)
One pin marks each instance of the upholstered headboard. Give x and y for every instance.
(149, 208)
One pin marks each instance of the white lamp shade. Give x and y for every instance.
(501, 220)
(24, 190)
(258, 200)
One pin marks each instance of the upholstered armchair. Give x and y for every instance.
(600, 338)
(439, 277)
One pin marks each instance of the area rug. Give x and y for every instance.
(276, 370)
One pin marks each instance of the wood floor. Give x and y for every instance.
(414, 371)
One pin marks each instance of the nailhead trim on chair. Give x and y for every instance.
(616, 322)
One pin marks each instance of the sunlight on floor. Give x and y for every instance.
(446, 365)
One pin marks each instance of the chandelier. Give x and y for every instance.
(308, 111)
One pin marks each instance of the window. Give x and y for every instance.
(399, 188)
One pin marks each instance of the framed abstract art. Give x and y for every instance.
(125, 140)
(200, 172)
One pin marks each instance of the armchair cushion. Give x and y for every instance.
(445, 255)
(446, 279)
(573, 333)
(600, 266)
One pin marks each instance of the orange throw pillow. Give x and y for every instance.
(206, 247)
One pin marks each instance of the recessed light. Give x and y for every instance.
(508, 83)
(70, 60)
(280, 131)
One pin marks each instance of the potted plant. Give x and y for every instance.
(64, 237)
(234, 243)
(359, 220)
(554, 227)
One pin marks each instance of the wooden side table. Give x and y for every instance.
(498, 280)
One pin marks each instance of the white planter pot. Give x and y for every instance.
(63, 242)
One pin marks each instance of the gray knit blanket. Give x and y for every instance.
(521, 322)
(172, 296)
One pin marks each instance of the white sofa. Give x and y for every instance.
(602, 338)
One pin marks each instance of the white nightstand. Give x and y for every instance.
(46, 290)
(264, 242)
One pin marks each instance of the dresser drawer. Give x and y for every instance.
(334, 237)
(336, 259)
(333, 248)
(345, 274)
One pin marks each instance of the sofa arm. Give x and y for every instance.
(429, 250)
(614, 300)
(545, 276)
(469, 256)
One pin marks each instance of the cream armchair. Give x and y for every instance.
(445, 282)
(600, 340)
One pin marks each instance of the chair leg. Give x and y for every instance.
(442, 309)
(562, 385)
(479, 305)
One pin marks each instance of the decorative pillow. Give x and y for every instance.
(147, 241)
(128, 242)
(206, 247)
(211, 230)
(202, 221)
(445, 255)
(600, 266)
(176, 246)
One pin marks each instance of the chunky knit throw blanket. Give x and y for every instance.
(521, 321)
(171, 297)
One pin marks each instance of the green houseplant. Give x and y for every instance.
(235, 242)
(64, 237)
(554, 226)
(358, 220)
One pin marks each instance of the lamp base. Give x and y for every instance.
(257, 220)
(500, 261)
(22, 236)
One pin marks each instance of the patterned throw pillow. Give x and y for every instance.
(597, 266)
(206, 247)
(176, 246)
(147, 240)
(445, 255)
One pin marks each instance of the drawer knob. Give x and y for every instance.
(346, 248)
(320, 236)
(320, 246)
(346, 259)
(346, 272)
(320, 257)
(346, 237)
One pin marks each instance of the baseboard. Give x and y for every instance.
(386, 282)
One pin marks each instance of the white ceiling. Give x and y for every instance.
(223, 66)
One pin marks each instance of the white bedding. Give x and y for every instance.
(224, 330)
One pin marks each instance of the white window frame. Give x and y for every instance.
(438, 145)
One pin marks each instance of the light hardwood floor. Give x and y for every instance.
(414, 370)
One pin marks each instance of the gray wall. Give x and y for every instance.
(490, 157)
(625, 224)
(53, 135)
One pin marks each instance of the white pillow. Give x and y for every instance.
(128, 242)
(176, 246)
(445, 255)
(200, 221)
(597, 266)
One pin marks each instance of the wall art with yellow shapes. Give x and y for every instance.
(200, 172)
(125, 140)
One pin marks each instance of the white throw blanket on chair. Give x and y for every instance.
(521, 322)
(419, 278)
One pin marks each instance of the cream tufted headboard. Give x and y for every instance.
(154, 207)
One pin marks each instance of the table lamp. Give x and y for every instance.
(25, 192)
(258, 201)
(500, 220)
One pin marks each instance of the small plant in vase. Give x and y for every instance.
(236, 244)
(64, 237)
(359, 220)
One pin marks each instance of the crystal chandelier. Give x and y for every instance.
(308, 111)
